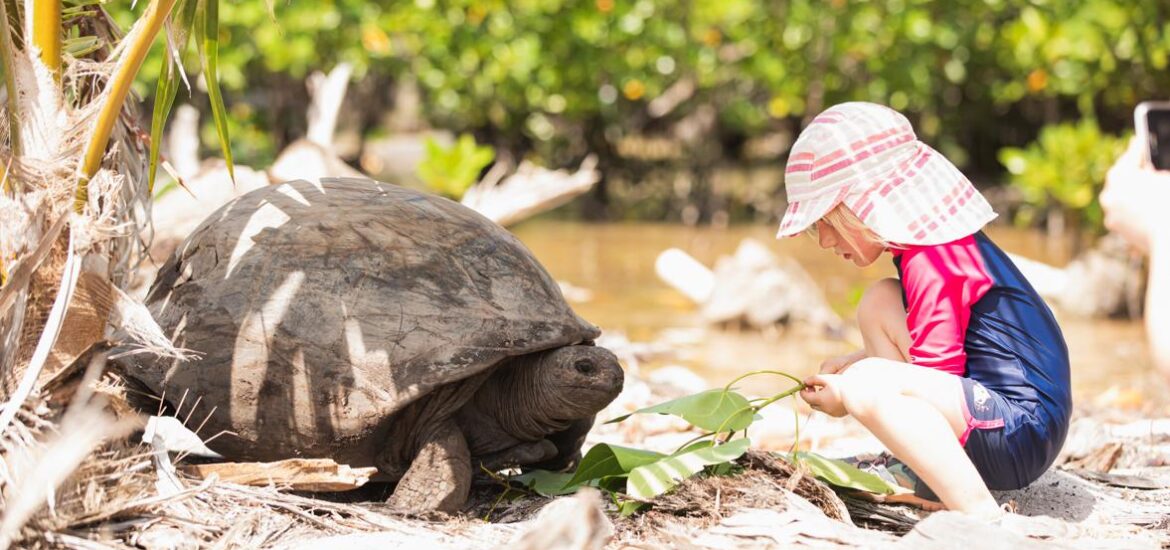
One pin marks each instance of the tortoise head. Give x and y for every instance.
(577, 381)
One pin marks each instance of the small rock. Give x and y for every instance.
(569, 523)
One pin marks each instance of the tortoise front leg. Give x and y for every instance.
(439, 477)
(522, 454)
(568, 442)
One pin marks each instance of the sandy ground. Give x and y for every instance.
(1068, 507)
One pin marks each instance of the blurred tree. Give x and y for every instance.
(558, 78)
(1061, 174)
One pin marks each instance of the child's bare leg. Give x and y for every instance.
(917, 413)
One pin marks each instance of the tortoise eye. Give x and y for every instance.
(584, 366)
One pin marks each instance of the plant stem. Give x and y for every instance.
(117, 90)
(692, 440)
(779, 396)
(768, 401)
(46, 32)
(755, 372)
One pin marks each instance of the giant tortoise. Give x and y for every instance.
(376, 325)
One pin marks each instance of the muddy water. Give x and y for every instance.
(614, 262)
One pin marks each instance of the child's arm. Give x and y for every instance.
(1134, 201)
(1158, 302)
(835, 365)
(942, 282)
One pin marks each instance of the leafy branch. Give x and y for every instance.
(633, 477)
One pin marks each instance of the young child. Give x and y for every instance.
(965, 375)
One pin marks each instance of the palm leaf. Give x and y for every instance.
(168, 82)
(207, 39)
(118, 88)
(46, 33)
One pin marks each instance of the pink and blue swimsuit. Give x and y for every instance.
(972, 314)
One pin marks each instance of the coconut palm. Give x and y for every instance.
(77, 173)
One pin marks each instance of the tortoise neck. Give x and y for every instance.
(522, 399)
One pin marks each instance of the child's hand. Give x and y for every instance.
(822, 393)
(834, 365)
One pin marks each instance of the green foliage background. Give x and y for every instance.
(556, 79)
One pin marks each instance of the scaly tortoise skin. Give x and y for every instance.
(376, 325)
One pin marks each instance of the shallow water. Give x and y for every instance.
(615, 262)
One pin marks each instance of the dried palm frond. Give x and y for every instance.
(67, 474)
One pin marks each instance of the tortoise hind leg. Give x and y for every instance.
(439, 477)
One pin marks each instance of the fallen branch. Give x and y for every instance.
(529, 191)
(300, 474)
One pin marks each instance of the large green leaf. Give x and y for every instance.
(605, 460)
(842, 474)
(654, 479)
(549, 484)
(711, 410)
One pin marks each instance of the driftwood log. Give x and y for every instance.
(753, 287)
(530, 191)
(1105, 281)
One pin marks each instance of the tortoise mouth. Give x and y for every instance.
(596, 395)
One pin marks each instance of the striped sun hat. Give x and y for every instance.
(867, 156)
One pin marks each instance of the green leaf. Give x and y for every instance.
(167, 87)
(628, 508)
(711, 410)
(654, 479)
(613, 484)
(549, 484)
(168, 81)
(207, 37)
(842, 474)
(605, 460)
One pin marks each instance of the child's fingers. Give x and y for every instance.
(812, 397)
(816, 380)
(810, 393)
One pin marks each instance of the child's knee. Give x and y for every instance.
(879, 300)
(862, 401)
(867, 384)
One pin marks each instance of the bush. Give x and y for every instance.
(1063, 169)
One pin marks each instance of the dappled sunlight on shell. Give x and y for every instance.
(254, 340)
(266, 216)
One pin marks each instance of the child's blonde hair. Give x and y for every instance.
(847, 225)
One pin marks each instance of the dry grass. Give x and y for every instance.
(62, 488)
